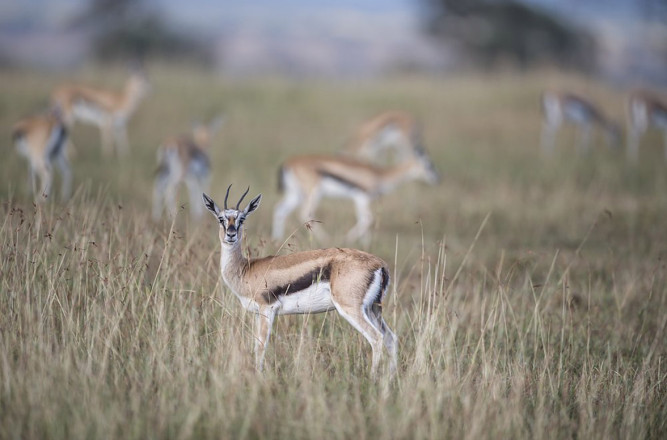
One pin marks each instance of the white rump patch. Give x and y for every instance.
(373, 289)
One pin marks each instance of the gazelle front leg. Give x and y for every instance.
(65, 171)
(196, 186)
(364, 220)
(548, 140)
(307, 213)
(120, 138)
(633, 144)
(106, 131)
(584, 139)
(45, 179)
(263, 324)
(357, 317)
(32, 180)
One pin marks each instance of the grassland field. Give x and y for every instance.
(528, 295)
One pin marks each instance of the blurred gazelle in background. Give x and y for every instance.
(561, 107)
(109, 110)
(43, 140)
(184, 159)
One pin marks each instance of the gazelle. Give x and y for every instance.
(184, 159)
(645, 110)
(108, 110)
(351, 281)
(392, 130)
(558, 108)
(42, 139)
(306, 179)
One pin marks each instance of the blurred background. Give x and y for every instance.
(620, 40)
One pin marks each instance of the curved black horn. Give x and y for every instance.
(246, 192)
(227, 195)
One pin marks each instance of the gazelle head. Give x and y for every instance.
(423, 168)
(231, 219)
(137, 84)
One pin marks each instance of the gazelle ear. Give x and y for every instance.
(254, 204)
(210, 205)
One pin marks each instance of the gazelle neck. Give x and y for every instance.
(132, 95)
(231, 257)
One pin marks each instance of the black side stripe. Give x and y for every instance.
(59, 143)
(340, 179)
(320, 274)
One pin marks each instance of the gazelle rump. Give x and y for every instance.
(391, 130)
(306, 179)
(644, 110)
(350, 281)
(558, 108)
(184, 159)
(42, 139)
(108, 110)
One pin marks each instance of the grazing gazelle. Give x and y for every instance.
(108, 110)
(184, 159)
(351, 281)
(42, 139)
(392, 130)
(306, 179)
(558, 108)
(645, 110)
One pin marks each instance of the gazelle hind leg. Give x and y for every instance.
(158, 195)
(633, 145)
(372, 312)
(548, 139)
(389, 337)
(284, 208)
(164, 192)
(66, 175)
(106, 133)
(308, 212)
(196, 186)
(45, 179)
(121, 141)
(583, 143)
(32, 180)
(364, 220)
(357, 319)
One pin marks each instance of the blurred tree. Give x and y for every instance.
(131, 29)
(494, 31)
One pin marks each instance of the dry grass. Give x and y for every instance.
(544, 320)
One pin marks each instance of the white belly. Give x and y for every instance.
(335, 189)
(89, 114)
(314, 299)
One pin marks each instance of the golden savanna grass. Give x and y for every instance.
(529, 295)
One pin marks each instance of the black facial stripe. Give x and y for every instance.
(320, 274)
